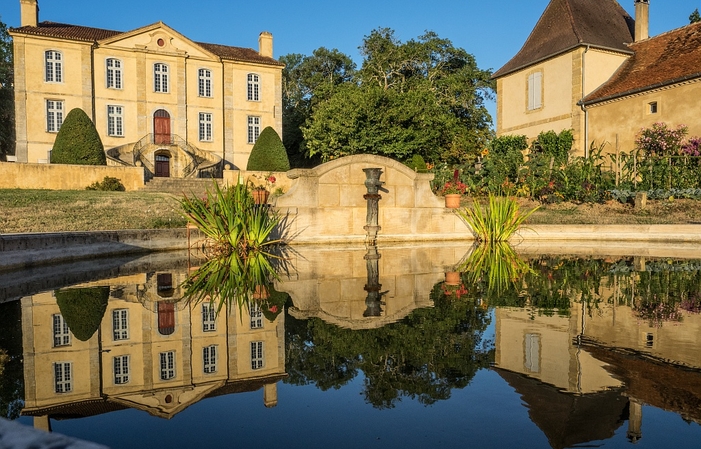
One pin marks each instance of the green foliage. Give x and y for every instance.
(11, 369)
(422, 97)
(108, 184)
(496, 264)
(695, 16)
(554, 145)
(7, 98)
(496, 222)
(268, 153)
(503, 161)
(78, 142)
(660, 140)
(231, 221)
(417, 164)
(83, 309)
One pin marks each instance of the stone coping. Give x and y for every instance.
(16, 435)
(19, 251)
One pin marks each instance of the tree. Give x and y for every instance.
(422, 97)
(83, 309)
(268, 154)
(7, 96)
(78, 142)
(695, 16)
(306, 81)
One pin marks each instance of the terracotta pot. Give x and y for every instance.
(452, 278)
(260, 196)
(261, 292)
(452, 200)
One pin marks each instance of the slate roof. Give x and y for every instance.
(668, 58)
(567, 24)
(88, 34)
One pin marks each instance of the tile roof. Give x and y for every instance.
(88, 34)
(566, 24)
(665, 59)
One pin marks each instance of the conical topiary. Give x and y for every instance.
(83, 309)
(268, 154)
(78, 142)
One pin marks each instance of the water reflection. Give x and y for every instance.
(589, 345)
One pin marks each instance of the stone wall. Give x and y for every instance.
(65, 177)
(325, 204)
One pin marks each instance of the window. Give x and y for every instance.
(535, 85)
(532, 357)
(114, 73)
(121, 369)
(115, 121)
(63, 382)
(62, 335)
(167, 365)
(53, 62)
(205, 83)
(54, 115)
(120, 324)
(160, 78)
(253, 128)
(256, 354)
(256, 316)
(208, 315)
(205, 127)
(652, 107)
(253, 87)
(209, 359)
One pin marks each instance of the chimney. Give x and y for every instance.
(265, 44)
(642, 19)
(29, 13)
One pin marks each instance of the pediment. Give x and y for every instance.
(157, 38)
(167, 402)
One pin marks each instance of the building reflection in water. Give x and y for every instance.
(151, 351)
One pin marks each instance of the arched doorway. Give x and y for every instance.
(161, 127)
(162, 165)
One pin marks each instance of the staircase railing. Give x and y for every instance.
(200, 161)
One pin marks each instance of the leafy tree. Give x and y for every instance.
(83, 309)
(422, 97)
(78, 142)
(554, 145)
(695, 16)
(7, 98)
(268, 154)
(11, 366)
(306, 81)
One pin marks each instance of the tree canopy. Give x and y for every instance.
(695, 16)
(421, 97)
(78, 142)
(7, 98)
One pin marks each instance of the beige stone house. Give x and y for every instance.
(588, 66)
(157, 98)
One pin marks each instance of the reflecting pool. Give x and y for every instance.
(396, 346)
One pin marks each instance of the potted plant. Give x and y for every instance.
(260, 188)
(452, 191)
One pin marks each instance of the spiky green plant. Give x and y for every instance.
(497, 221)
(497, 265)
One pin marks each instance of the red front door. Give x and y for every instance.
(161, 127)
(162, 166)
(166, 318)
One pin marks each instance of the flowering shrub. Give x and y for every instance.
(257, 183)
(692, 147)
(454, 186)
(659, 140)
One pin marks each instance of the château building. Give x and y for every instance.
(589, 67)
(157, 98)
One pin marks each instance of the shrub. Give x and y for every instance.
(555, 145)
(659, 140)
(78, 142)
(417, 163)
(268, 154)
(108, 184)
(83, 309)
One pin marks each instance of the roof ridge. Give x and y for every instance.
(573, 24)
(665, 33)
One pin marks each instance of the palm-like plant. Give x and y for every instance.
(496, 222)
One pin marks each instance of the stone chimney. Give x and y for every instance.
(29, 13)
(265, 44)
(642, 19)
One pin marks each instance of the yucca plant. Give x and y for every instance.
(496, 265)
(496, 222)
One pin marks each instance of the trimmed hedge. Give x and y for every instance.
(78, 142)
(83, 309)
(268, 154)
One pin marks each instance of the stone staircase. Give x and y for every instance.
(180, 186)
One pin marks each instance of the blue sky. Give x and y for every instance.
(493, 31)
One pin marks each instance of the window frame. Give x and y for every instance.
(54, 115)
(62, 333)
(120, 369)
(167, 365)
(205, 126)
(113, 75)
(253, 129)
(204, 83)
(256, 315)
(534, 91)
(253, 87)
(63, 377)
(53, 66)
(161, 78)
(120, 324)
(257, 355)
(209, 323)
(209, 359)
(115, 120)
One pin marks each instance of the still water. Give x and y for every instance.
(354, 347)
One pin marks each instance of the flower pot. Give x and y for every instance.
(452, 200)
(452, 278)
(260, 196)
